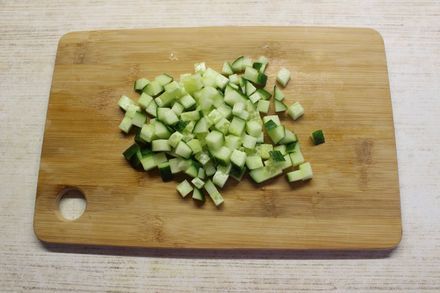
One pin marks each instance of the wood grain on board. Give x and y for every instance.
(339, 76)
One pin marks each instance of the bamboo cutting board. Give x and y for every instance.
(339, 76)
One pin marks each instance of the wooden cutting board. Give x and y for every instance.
(339, 76)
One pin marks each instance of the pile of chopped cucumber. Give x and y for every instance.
(210, 126)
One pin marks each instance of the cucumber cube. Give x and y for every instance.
(238, 158)
(295, 110)
(263, 106)
(283, 76)
(197, 182)
(306, 170)
(184, 188)
(249, 142)
(220, 178)
(144, 100)
(254, 128)
(214, 140)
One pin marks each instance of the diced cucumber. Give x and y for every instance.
(213, 193)
(144, 100)
(189, 126)
(148, 162)
(187, 101)
(264, 173)
(163, 79)
(201, 173)
(263, 106)
(160, 130)
(276, 155)
(131, 151)
(126, 124)
(154, 88)
(265, 95)
(274, 118)
(152, 108)
(290, 147)
(220, 178)
(276, 134)
(254, 162)
(227, 69)
(202, 157)
(140, 84)
(233, 96)
(223, 155)
(260, 138)
(289, 137)
(147, 132)
(264, 62)
(198, 195)
(281, 149)
(190, 116)
(215, 140)
(318, 137)
(264, 149)
(296, 155)
(234, 79)
(209, 124)
(249, 142)
(239, 111)
(223, 125)
(175, 138)
(167, 116)
(306, 170)
(284, 164)
(192, 171)
(237, 172)
(132, 110)
(184, 164)
(195, 145)
(165, 171)
(197, 182)
(192, 83)
(125, 102)
(225, 169)
(184, 188)
(278, 94)
(210, 168)
(201, 126)
(177, 108)
(232, 141)
(283, 76)
(238, 65)
(255, 76)
(238, 158)
(221, 81)
(174, 165)
(200, 67)
(257, 65)
(255, 97)
(215, 116)
(295, 110)
(294, 176)
(250, 89)
(254, 128)
(183, 150)
(237, 126)
(160, 145)
(279, 106)
(225, 110)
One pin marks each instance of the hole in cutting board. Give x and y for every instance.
(72, 203)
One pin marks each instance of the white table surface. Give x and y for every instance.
(29, 32)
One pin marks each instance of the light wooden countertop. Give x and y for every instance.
(29, 32)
